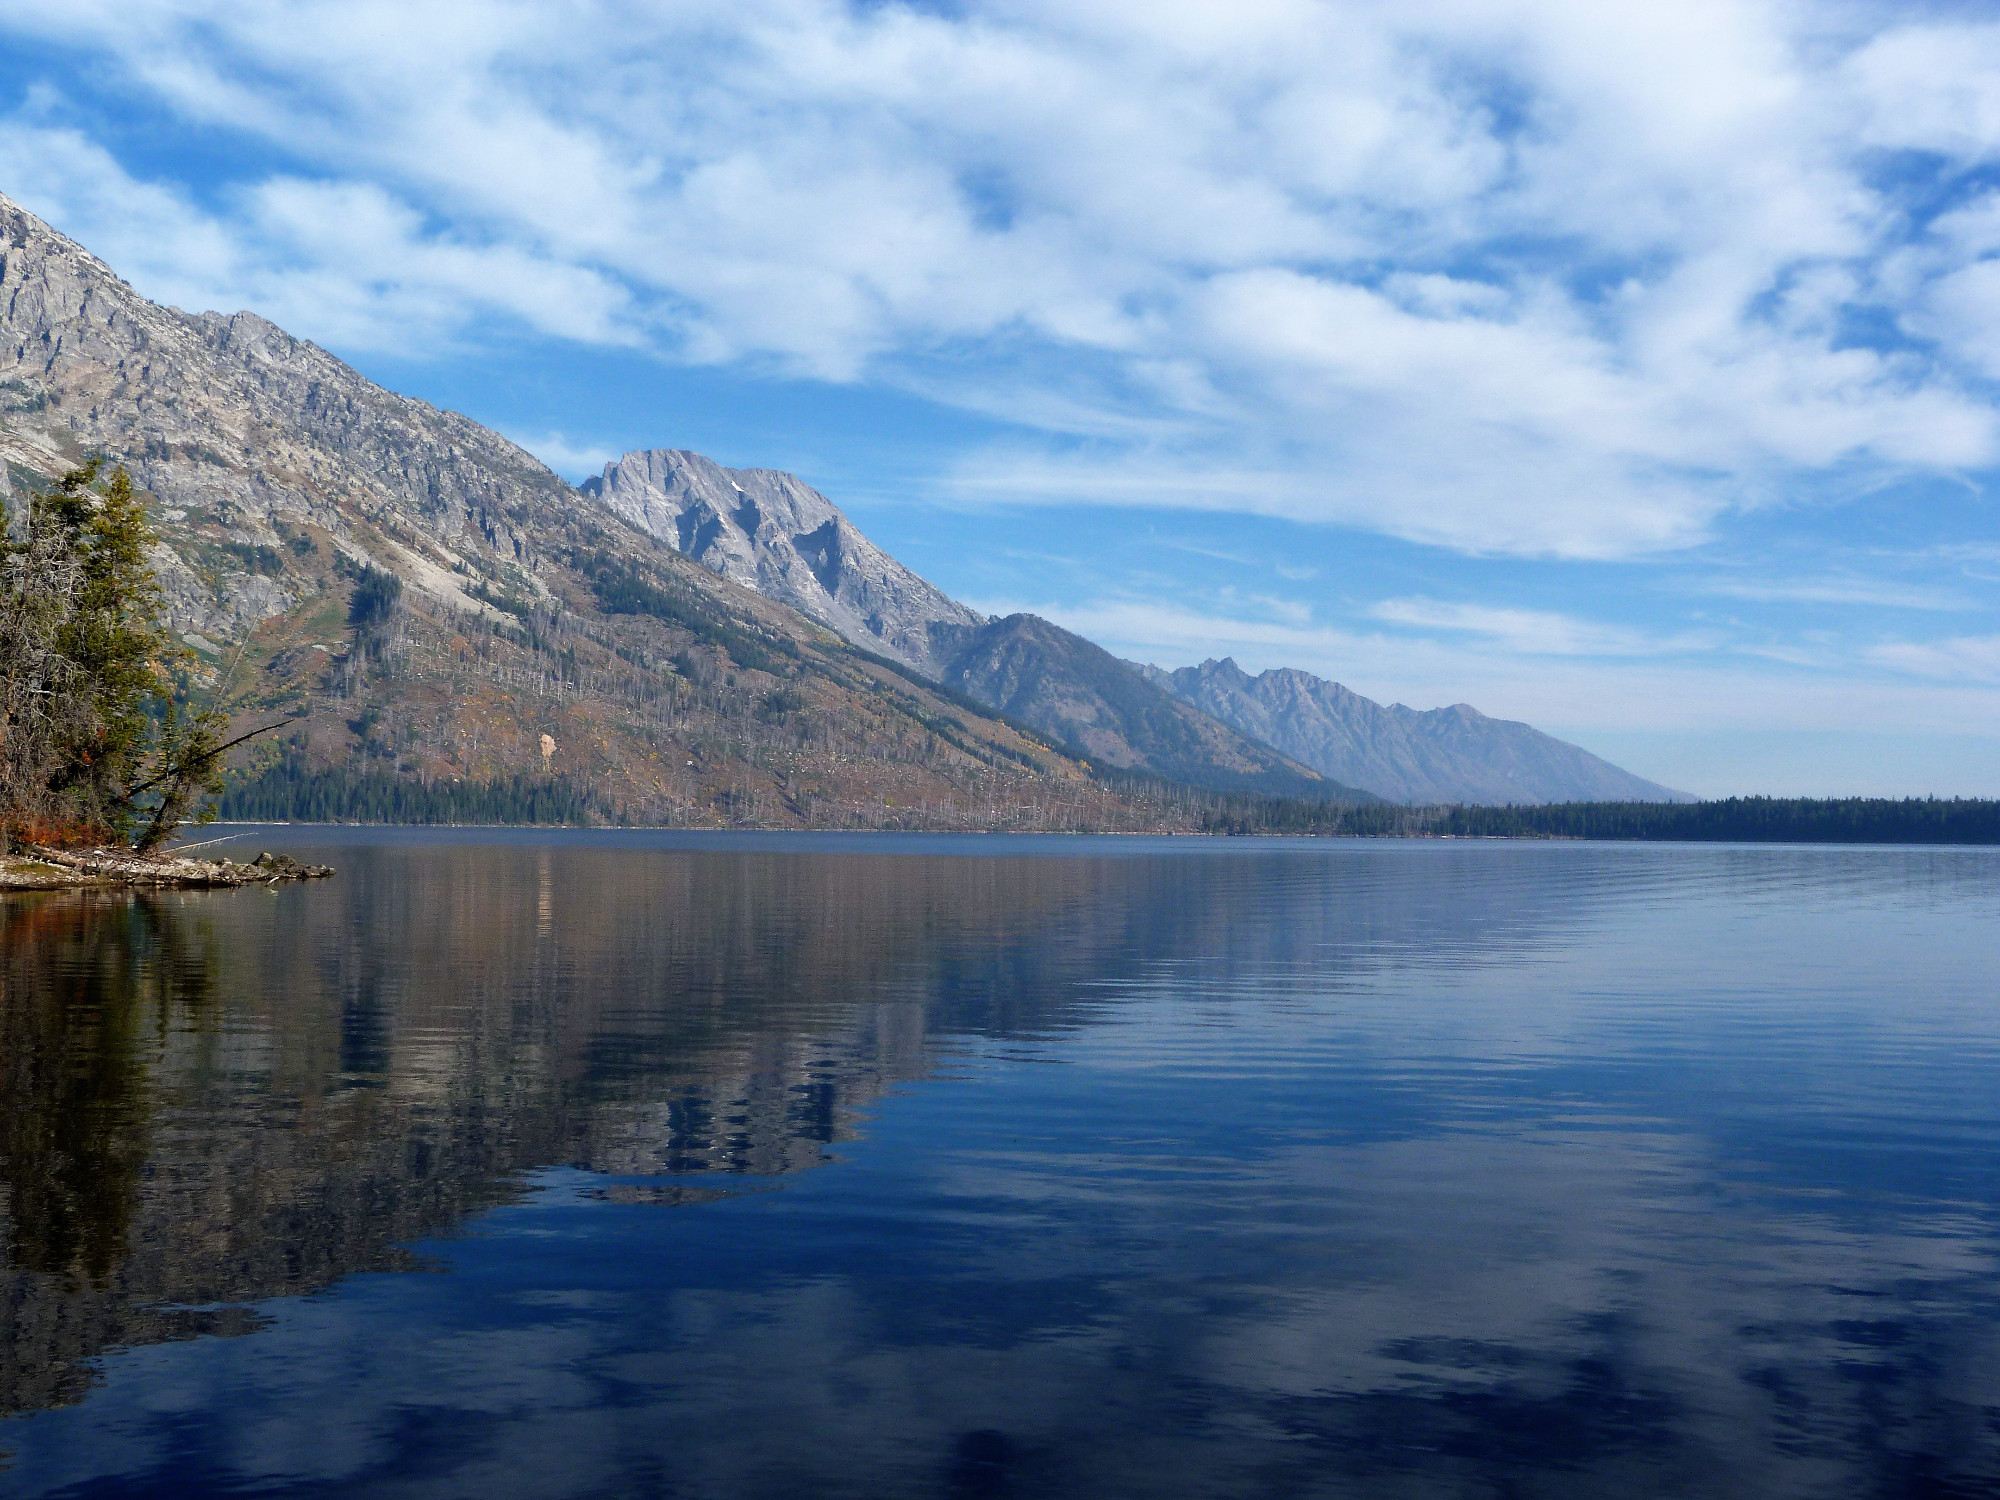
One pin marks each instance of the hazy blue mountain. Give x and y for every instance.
(1454, 754)
(1106, 710)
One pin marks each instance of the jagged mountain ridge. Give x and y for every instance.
(1454, 754)
(769, 531)
(276, 475)
(276, 472)
(1100, 707)
(233, 415)
(1286, 733)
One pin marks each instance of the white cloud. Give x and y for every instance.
(1963, 658)
(345, 264)
(1532, 632)
(1864, 593)
(1529, 277)
(1931, 87)
(147, 233)
(574, 460)
(1961, 309)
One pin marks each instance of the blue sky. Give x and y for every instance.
(1631, 370)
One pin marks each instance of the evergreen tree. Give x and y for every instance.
(94, 740)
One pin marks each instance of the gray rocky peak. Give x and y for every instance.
(1082, 696)
(770, 532)
(238, 428)
(1455, 754)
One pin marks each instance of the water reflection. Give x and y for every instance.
(1212, 1171)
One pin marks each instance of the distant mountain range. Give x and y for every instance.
(1284, 733)
(703, 644)
(281, 482)
(1454, 754)
(1102, 709)
(770, 532)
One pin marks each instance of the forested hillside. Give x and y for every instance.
(1783, 820)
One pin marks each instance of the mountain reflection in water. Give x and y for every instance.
(927, 1166)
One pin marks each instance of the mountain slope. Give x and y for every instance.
(1102, 708)
(281, 481)
(1454, 754)
(287, 489)
(236, 421)
(768, 531)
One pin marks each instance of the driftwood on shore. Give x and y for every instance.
(34, 867)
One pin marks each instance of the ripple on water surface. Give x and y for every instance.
(580, 1165)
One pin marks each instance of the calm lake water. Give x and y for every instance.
(543, 1164)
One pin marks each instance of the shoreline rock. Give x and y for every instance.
(34, 868)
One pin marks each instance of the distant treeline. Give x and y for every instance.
(1777, 820)
(290, 791)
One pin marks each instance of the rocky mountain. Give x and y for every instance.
(1454, 754)
(429, 606)
(1104, 709)
(768, 531)
(236, 427)
(425, 602)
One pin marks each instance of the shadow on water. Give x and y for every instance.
(1476, 1171)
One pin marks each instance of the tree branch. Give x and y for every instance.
(134, 791)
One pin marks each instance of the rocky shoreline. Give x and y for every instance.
(32, 867)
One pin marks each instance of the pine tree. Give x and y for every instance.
(94, 739)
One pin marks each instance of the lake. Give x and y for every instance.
(517, 1163)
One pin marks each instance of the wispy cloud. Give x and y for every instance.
(573, 460)
(346, 264)
(1535, 632)
(1534, 278)
(1856, 592)
(1960, 659)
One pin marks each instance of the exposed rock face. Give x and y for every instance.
(275, 469)
(768, 531)
(1103, 708)
(1454, 754)
(276, 476)
(235, 425)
